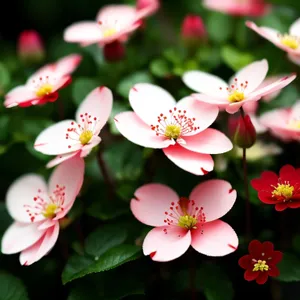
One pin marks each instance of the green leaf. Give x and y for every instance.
(4, 121)
(4, 77)
(12, 288)
(160, 68)
(118, 107)
(296, 243)
(128, 82)
(111, 259)
(81, 88)
(104, 238)
(5, 218)
(289, 268)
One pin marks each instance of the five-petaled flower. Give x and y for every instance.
(180, 129)
(43, 85)
(243, 87)
(260, 262)
(37, 209)
(289, 42)
(67, 138)
(282, 190)
(181, 222)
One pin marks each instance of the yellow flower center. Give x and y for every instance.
(109, 32)
(283, 190)
(290, 41)
(50, 211)
(85, 137)
(295, 124)
(261, 265)
(187, 222)
(236, 96)
(44, 90)
(172, 131)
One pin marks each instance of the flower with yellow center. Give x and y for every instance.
(283, 190)
(50, 211)
(236, 96)
(261, 265)
(295, 124)
(44, 90)
(172, 131)
(109, 32)
(85, 137)
(187, 222)
(290, 41)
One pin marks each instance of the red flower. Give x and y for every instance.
(260, 262)
(282, 190)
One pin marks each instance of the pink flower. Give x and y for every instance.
(193, 30)
(147, 7)
(30, 46)
(289, 42)
(181, 222)
(43, 85)
(243, 87)
(37, 209)
(180, 129)
(283, 123)
(68, 138)
(239, 8)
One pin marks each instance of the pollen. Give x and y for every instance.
(44, 90)
(295, 124)
(236, 96)
(188, 222)
(172, 131)
(283, 190)
(290, 41)
(261, 265)
(85, 137)
(109, 32)
(50, 211)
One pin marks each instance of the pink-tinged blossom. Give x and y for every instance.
(70, 137)
(43, 85)
(179, 129)
(37, 209)
(147, 8)
(181, 222)
(193, 29)
(288, 42)
(283, 123)
(253, 8)
(243, 87)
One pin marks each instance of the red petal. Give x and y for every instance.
(268, 249)
(287, 173)
(249, 275)
(266, 197)
(276, 257)
(255, 249)
(273, 271)
(262, 277)
(265, 182)
(294, 204)
(281, 206)
(245, 261)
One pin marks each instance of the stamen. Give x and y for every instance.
(261, 265)
(290, 41)
(236, 91)
(284, 190)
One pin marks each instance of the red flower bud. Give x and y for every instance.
(30, 47)
(114, 51)
(242, 131)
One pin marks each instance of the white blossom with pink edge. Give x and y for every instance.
(43, 85)
(179, 129)
(37, 209)
(67, 138)
(243, 87)
(283, 123)
(181, 222)
(289, 42)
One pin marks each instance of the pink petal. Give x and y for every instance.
(294, 58)
(150, 203)
(195, 163)
(47, 223)
(276, 118)
(21, 193)
(220, 102)
(254, 74)
(148, 10)
(295, 111)
(19, 94)
(162, 246)
(87, 32)
(124, 14)
(204, 114)
(98, 103)
(41, 247)
(209, 141)
(60, 158)
(232, 108)
(259, 128)
(205, 83)
(52, 140)
(268, 81)
(67, 64)
(20, 236)
(215, 238)
(69, 174)
(250, 107)
(215, 196)
(138, 132)
(61, 83)
(149, 101)
(85, 151)
(295, 28)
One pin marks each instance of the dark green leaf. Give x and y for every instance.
(4, 77)
(289, 268)
(160, 68)
(12, 288)
(82, 87)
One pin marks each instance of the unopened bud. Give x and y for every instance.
(114, 51)
(193, 31)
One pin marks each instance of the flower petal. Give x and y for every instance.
(18, 95)
(21, 193)
(295, 28)
(195, 163)
(262, 277)
(209, 141)
(98, 103)
(294, 58)
(265, 182)
(276, 257)
(70, 175)
(215, 238)
(245, 261)
(52, 140)
(20, 236)
(85, 151)
(138, 132)
(204, 114)
(205, 83)
(166, 243)
(67, 64)
(215, 196)
(249, 275)
(150, 203)
(255, 249)
(268, 248)
(41, 247)
(149, 101)
(273, 271)
(60, 158)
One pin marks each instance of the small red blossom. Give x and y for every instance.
(261, 262)
(193, 30)
(282, 190)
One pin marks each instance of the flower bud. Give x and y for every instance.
(30, 47)
(114, 51)
(242, 131)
